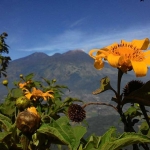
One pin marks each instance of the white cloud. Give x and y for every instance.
(76, 39)
(78, 22)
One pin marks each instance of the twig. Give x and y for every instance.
(99, 103)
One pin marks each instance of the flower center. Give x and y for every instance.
(127, 51)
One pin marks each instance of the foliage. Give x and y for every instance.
(54, 128)
(4, 60)
(34, 116)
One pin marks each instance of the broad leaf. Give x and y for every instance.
(107, 137)
(4, 135)
(29, 76)
(16, 92)
(110, 141)
(124, 140)
(104, 85)
(5, 121)
(92, 144)
(144, 128)
(8, 105)
(63, 133)
(133, 112)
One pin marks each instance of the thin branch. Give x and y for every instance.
(114, 91)
(98, 103)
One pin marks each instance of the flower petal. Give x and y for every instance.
(102, 54)
(141, 44)
(140, 68)
(44, 97)
(22, 85)
(32, 110)
(28, 96)
(34, 89)
(147, 57)
(125, 42)
(99, 65)
(147, 61)
(147, 53)
(92, 51)
(113, 60)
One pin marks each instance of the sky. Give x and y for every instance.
(56, 26)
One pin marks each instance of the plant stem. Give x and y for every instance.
(145, 114)
(127, 126)
(119, 107)
(120, 74)
(25, 142)
(99, 103)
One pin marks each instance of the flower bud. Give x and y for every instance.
(54, 80)
(5, 82)
(21, 75)
(22, 102)
(28, 122)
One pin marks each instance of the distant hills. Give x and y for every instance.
(74, 69)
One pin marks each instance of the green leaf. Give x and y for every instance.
(104, 85)
(93, 142)
(124, 140)
(17, 92)
(37, 83)
(47, 81)
(63, 133)
(107, 137)
(78, 133)
(140, 96)
(8, 105)
(61, 86)
(144, 128)
(29, 76)
(133, 112)
(4, 135)
(55, 107)
(111, 141)
(5, 121)
(16, 83)
(2, 117)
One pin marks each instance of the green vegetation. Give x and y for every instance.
(36, 115)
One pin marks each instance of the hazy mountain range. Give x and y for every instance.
(74, 69)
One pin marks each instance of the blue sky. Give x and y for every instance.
(56, 26)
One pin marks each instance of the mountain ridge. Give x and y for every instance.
(73, 68)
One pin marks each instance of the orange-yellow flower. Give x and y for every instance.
(22, 85)
(125, 56)
(36, 94)
(32, 110)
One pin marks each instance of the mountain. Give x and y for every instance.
(74, 69)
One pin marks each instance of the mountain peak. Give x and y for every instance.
(71, 52)
(39, 54)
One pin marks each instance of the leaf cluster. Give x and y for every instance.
(55, 127)
(4, 60)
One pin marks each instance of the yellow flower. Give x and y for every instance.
(125, 56)
(32, 110)
(22, 85)
(36, 94)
